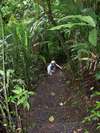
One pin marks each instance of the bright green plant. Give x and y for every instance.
(94, 114)
(35, 31)
(20, 96)
(3, 72)
(8, 76)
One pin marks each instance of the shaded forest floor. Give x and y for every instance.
(59, 106)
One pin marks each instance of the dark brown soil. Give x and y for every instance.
(60, 97)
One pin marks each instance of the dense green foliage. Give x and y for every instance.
(32, 32)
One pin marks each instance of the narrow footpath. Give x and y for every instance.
(58, 107)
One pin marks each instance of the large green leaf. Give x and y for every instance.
(87, 19)
(93, 37)
(69, 26)
(98, 75)
(80, 46)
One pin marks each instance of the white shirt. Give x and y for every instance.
(49, 71)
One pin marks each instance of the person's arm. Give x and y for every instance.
(59, 66)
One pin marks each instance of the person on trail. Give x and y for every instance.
(51, 68)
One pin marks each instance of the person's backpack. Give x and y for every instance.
(53, 67)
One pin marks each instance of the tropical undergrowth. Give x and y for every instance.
(34, 32)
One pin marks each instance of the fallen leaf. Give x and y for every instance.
(61, 104)
(51, 119)
(53, 94)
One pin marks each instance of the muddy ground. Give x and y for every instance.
(59, 106)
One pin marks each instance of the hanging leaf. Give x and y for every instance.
(26, 105)
(69, 26)
(57, 2)
(9, 72)
(2, 72)
(87, 19)
(93, 37)
(98, 75)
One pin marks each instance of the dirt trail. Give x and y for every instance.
(57, 97)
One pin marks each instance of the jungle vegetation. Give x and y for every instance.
(33, 32)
